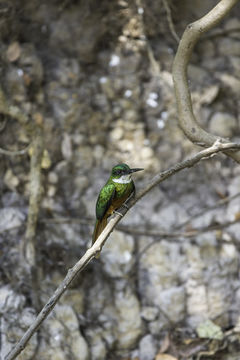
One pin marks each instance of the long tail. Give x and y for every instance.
(99, 227)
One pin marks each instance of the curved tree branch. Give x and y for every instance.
(97, 246)
(15, 153)
(191, 35)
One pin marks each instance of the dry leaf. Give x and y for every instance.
(221, 194)
(165, 344)
(237, 215)
(165, 357)
(13, 51)
(27, 79)
(38, 118)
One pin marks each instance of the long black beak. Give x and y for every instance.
(135, 170)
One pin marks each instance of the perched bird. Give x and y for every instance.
(113, 195)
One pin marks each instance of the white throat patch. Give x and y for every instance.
(124, 179)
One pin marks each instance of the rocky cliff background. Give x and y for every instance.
(98, 73)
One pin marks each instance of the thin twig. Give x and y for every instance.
(170, 21)
(14, 152)
(4, 122)
(67, 220)
(178, 234)
(97, 246)
(206, 153)
(221, 202)
(183, 235)
(151, 233)
(154, 64)
(131, 229)
(191, 35)
(221, 33)
(29, 246)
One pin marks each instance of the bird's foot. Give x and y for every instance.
(118, 213)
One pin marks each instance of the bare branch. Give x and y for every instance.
(190, 37)
(221, 202)
(97, 246)
(178, 234)
(14, 153)
(29, 244)
(170, 21)
(35, 193)
(157, 233)
(154, 64)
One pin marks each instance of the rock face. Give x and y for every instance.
(160, 279)
(115, 265)
(10, 218)
(98, 74)
(223, 124)
(128, 317)
(12, 331)
(147, 348)
(63, 332)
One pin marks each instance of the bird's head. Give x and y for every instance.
(122, 173)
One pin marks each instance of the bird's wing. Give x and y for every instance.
(104, 200)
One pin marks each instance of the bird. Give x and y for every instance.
(113, 195)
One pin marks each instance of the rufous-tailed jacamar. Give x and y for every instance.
(113, 195)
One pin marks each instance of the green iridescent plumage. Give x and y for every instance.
(104, 200)
(113, 194)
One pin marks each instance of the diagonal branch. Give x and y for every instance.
(96, 248)
(191, 35)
